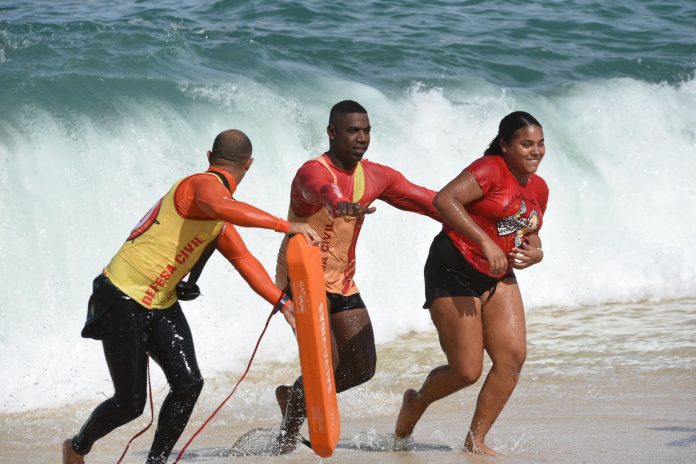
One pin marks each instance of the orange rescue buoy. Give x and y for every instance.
(314, 339)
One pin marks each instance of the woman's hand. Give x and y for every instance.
(526, 256)
(497, 261)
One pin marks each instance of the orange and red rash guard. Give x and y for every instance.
(317, 189)
(507, 213)
(168, 241)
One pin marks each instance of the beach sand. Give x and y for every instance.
(604, 384)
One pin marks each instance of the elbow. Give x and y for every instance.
(440, 202)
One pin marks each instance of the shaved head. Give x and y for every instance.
(231, 145)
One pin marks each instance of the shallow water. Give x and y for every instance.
(105, 106)
(607, 383)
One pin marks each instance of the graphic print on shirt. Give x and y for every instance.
(518, 225)
(146, 222)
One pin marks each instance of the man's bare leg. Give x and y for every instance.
(354, 357)
(282, 394)
(292, 406)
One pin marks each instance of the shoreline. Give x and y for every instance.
(613, 383)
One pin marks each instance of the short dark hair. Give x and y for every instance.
(507, 128)
(345, 107)
(232, 145)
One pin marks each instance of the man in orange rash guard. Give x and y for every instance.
(333, 193)
(134, 310)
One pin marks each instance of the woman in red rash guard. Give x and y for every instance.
(492, 214)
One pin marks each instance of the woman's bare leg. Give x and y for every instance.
(505, 341)
(459, 326)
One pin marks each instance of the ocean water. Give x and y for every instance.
(103, 106)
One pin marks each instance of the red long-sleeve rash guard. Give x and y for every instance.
(317, 189)
(204, 197)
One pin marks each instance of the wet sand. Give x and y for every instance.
(612, 383)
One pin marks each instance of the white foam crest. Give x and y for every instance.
(619, 164)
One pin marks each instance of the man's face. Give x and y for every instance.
(349, 138)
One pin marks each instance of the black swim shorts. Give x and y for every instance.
(447, 273)
(338, 302)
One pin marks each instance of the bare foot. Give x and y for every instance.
(284, 444)
(476, 446)
(282, 394)
(412, 408)
(69, 454)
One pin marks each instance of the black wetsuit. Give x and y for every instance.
(130, 333)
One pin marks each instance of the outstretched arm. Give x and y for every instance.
(213, 201)
(317, 187)
(204, 197)
(233, 248)
(407, 196)
(450, 203)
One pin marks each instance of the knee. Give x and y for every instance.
(190, 386)
(357, 373)
(512, 361)
(367, 372)
(130, 408)
(367, 368)
(466, 373)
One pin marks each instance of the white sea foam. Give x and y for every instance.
(620, 167)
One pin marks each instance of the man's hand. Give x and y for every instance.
(526, 256)
(348, 209)
(305, 229)
(289, 314)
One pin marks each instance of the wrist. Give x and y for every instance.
(282, 303)
(282, 226)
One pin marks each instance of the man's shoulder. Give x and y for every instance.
(311, 167)
(380, 168)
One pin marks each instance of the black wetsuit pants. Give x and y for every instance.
(135, 333)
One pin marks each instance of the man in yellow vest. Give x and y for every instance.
(332, 193)
(134, 310)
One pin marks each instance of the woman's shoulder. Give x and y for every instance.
(540, 187)
(539, 183)
(487, 166)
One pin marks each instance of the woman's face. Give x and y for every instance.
(524, 152)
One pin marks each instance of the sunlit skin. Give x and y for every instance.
(349, 138)
(524, 152)
(352, 337)
(466, 327)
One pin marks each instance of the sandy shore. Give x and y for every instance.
(610, 384)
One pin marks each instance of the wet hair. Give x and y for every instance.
(507, 128)
(345, 107)
(231, 145)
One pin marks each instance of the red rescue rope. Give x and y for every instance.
(152, 415)
(200, 429)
